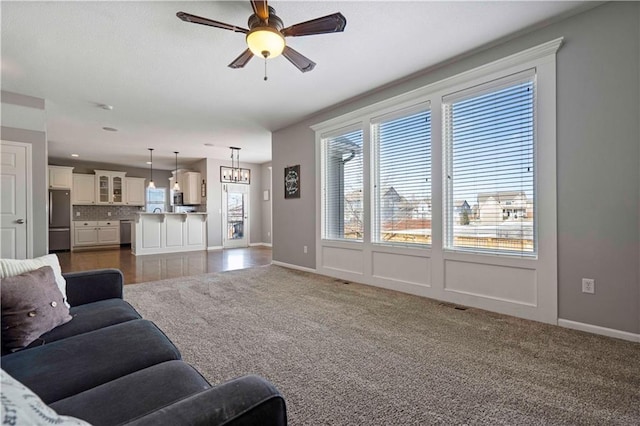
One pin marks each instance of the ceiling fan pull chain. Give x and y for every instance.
(265, 68)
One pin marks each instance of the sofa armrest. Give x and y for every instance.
(248, 400)
(92, 286)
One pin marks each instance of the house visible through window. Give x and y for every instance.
(489, 143)
(402, 147)
(342, 186)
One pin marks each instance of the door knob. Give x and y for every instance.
(20, 221)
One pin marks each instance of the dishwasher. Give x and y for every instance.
(125, 232)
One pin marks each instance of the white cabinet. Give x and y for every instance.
(83, 191)
(60, 177)
(169, 233)
(109, 232)
(93, 233)
(85, 233)
(134, 191)
(110, 187)
(190, 186)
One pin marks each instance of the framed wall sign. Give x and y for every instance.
(292, 182)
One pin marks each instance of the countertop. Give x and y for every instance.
(141, 213)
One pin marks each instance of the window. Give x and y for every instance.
(156, 199)
(402, 147)
(489, 147)
(342, 186)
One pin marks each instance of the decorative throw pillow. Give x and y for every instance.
(22, 407)
(31, 305)
(13, 267)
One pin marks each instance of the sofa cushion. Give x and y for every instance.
(134, 395)
(90, 317)
(72, 365)
(20, 406)
(245, 401)
(13, 267)
(31, 306)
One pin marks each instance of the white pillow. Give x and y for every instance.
(13, 267)
(22, 407)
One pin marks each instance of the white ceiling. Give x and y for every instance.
(172, 90)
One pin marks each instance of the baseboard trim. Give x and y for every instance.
(260, 244)
(214, 248)
(596, 329)
(290, 266)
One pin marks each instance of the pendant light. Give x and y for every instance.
(151, 184)
(176, 186)
(235, 174)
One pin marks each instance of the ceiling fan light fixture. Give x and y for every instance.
(265, 42)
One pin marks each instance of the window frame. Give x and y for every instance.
(481, 280)
(404, 111)
(448, 199)
(334, 133)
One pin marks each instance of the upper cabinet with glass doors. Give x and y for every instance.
(110, 187)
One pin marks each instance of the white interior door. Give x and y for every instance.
(15, 200)
(235, 218)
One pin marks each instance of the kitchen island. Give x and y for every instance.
(155, 233)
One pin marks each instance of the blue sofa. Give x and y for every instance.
(109, 366)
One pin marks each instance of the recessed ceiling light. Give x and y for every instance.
(75, 155)
(107, 107)
(209, 144)
(110, 129)
(148, 162)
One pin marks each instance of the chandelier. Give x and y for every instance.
(235, 174)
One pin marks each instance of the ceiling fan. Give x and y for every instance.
(265, 36)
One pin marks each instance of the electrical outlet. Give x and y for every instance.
(305, 249)
(77, 213)
(588, 285)
(268, 234)
(108, 213)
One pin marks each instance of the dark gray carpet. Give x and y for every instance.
(349, 354)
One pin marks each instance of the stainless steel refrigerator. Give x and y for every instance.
(59, 220)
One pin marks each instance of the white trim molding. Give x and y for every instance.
(214, 248)
(596, 329)
(291, 266)
(259, 244)
(526, 56)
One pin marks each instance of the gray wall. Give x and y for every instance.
(294, 219)
(38, 141)
(266, 205)
(598, 101)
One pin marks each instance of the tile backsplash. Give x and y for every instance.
(102, 212)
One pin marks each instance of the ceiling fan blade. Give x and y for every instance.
(261, 9)
(300, 61)
(241, 60)
(327, 24)
(187, 17)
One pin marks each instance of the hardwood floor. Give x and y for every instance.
(138, 269)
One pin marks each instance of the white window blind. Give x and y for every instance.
(342, 186)
(402, 147)
(490, 181)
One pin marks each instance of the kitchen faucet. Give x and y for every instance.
(159, 210)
